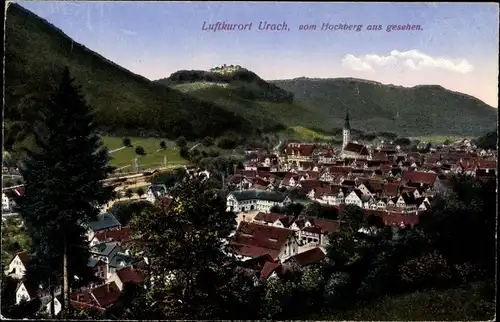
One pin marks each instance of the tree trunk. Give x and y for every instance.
(65, 291)
(52, 302)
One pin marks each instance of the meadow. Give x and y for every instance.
(155, 156)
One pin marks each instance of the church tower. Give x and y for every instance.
(346, 132)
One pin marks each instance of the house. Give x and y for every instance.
(355, 198)
(307, 258)
(17, 266)
(314, 230)
(122, 236)
(126, 275)
(296, 152)
(26, 292)
(99, 267)
(103, 296)
(156, 190)
(250, 200)
(104, 222)
(253, 240)
(272, 219)
(355, 151)
(104, 251)
(6, 204)
(46, 303)
(261, 268)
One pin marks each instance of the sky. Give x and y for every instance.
(454, 45)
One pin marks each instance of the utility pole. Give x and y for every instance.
(165, 161)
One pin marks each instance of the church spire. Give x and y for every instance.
(347, 126)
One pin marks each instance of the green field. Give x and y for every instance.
(154, 155)
(440, 139)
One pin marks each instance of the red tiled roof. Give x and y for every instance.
(129, 275)
(487, 164)
(268, 269)
(253, 251)
(327, 226)
(420, 177)
(308, 257)
(106, 294)
(268, 217)
(390, 189)
(121, 236)
(269, 237)
(356, 148)
(305, 149)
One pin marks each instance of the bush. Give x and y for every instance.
(127, 142)
(184, 153)
(208, 141)
(226, 143)
(140, 150)
(181, 142)
(163, 145)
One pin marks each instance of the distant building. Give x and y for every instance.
(252, 200)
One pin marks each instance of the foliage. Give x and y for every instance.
(181, 142)
(129, 193)
(63, 187)
(241, 81)
(139, 150)
(488, 141)
(184, 153)
(163, 145)
(125, 211)
(127, 141)
(226, 143)
(186, 243)
(208, 141)
(469, 210)
(169, 178)
(139, 106)
(140, 192)
(420, 110)
(402, 141)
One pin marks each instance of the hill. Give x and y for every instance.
(126, 103)
(420, 110)
(244, 93)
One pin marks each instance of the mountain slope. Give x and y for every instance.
(246, 94)
(36, 52)
(420, 110)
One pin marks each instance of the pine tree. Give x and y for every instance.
(63, 189)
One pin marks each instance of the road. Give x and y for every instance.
(116, 150)
(112, 202)
(194, 146)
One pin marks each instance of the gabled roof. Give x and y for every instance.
(130, 275)
(259, 195)
(269, 217)
(356, 148)
(106, 294)
(308, 257)
(23, 257)
(104, 221)
(419, 176)
(104, 249)
(120, 236)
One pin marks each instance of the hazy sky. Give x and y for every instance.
(457, 46)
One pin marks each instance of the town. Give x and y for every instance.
(384, 181)
(156, 171)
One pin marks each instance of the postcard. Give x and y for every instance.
(249, 160)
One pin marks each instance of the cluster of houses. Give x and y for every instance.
(110, 261)
(384, 181)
